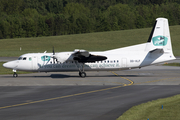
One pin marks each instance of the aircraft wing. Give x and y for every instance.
(85, 56)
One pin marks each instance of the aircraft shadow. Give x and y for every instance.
(75, 76)
(97, 76)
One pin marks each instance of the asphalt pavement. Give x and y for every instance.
(99, 96)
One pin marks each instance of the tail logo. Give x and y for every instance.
(159, 40)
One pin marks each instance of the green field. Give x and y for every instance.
(153, 110)
(172, 64)
(91, 41)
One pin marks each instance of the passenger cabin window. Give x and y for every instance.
(30, 58)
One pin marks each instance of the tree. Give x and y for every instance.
(124, 14)
(11, 6)
(29, 27)
(54, 6)
(5, 29)
(39, 5)
(51, 24)
(78, 17)
(42, 27)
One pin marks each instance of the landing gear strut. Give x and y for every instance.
(15, 74)
(81, 72)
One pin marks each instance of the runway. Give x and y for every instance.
(99, 96)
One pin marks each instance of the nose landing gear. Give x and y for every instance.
(15, 74)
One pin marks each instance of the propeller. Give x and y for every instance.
(53, 54)
(53, 51)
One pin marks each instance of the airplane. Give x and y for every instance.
(135, 56)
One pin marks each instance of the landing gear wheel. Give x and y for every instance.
(82, 74)
(15, 75)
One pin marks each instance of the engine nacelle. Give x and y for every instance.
(63, 57)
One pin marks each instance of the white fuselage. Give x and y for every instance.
(117, 59)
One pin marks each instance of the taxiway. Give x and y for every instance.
(99, 96)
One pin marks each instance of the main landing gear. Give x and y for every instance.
(81, 72)
(15, 74)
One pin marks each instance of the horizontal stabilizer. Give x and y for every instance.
(157, 51)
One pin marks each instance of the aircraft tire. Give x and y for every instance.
(82, 74)
(15, 75)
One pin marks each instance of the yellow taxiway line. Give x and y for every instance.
(131, 82)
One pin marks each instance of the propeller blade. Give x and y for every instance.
(53, 55)
(53, 51)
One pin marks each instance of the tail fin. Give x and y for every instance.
(160, 37)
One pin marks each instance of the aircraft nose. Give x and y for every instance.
(10, 65)
(5, 65)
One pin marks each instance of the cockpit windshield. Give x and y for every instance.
(22, 58)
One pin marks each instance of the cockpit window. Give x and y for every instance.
(30, 58)
(20, 58)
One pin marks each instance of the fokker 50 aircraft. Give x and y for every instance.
(157, 49)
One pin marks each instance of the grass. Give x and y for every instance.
(91, 41)
(9, 71)
(172, 64)
(153, 110)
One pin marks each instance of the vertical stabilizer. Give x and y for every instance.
(160, 36)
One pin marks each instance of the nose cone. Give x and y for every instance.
(5, 65)
(10, 65)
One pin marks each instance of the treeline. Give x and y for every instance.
(33, 18)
